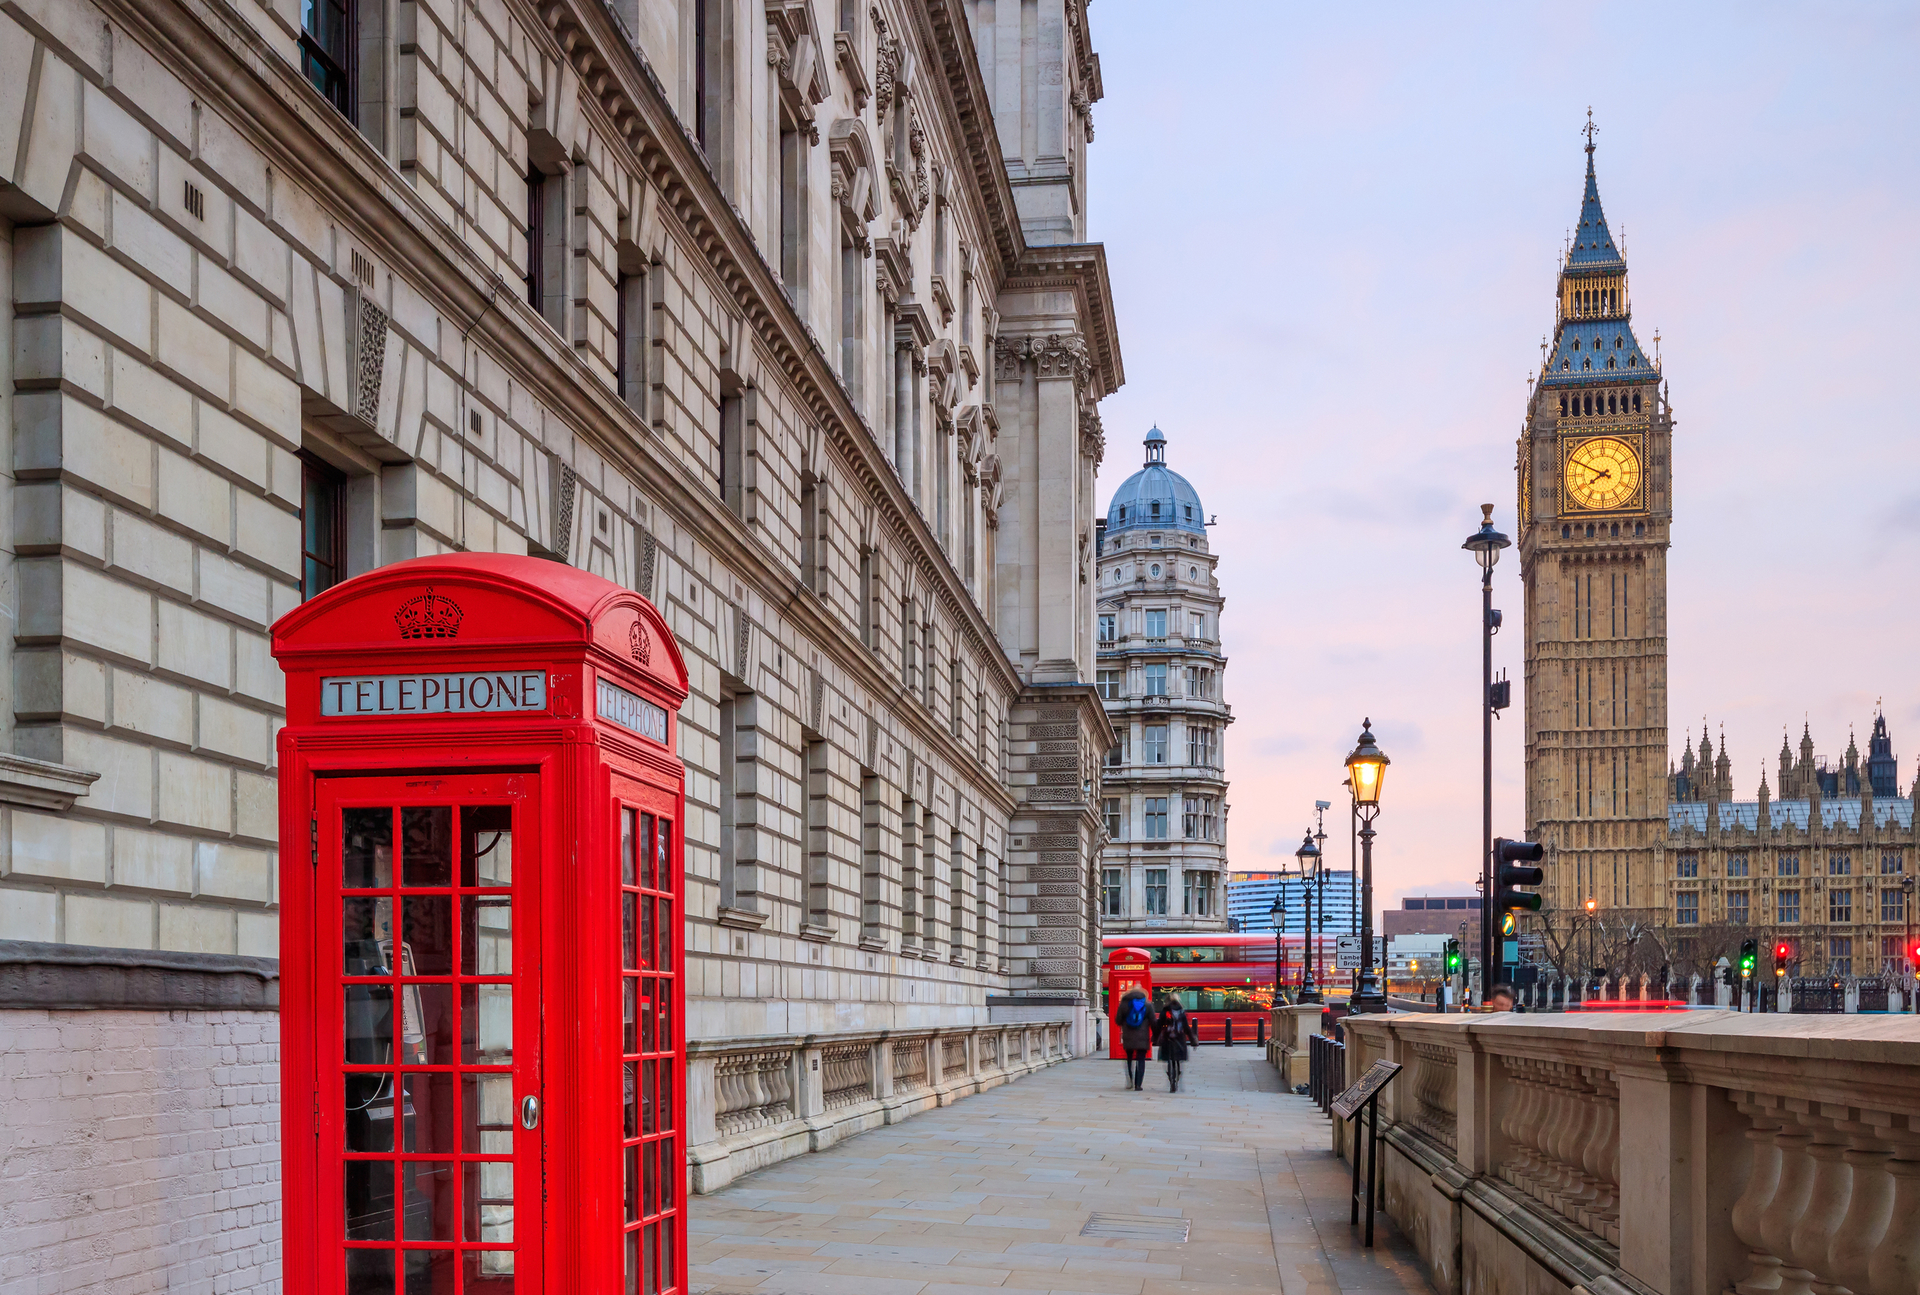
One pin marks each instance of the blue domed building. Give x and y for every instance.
(1160, 672)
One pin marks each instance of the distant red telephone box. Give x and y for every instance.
(1127, 970)
(482, 1053)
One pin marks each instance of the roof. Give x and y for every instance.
(1156, 496)
(1593, 247)
(1682, 816)
(1601, 349)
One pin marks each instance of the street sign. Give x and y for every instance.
(1346, 956)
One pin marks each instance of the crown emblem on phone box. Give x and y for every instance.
(428, 616)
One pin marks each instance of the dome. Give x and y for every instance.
(1156, 497)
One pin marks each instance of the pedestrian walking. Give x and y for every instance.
(1176, 1033)
(1137, 1022)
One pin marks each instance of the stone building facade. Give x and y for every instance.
(777, 311)
(1824, 870)
(1161, 675)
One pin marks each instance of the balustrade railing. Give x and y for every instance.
(846, 1074)
(909, 1064)
(1690, 1153)
(953, 1057)
(753, 1089)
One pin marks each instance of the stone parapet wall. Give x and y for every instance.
(753, 1104)
(1682, 1153)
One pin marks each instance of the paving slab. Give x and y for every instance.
(990, 1195)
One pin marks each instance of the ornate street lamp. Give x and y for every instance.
(1485, 545)
(1309, 856)
(1366, 771)
(1277, 915)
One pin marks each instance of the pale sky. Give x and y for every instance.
(1333, 233)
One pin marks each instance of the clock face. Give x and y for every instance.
(1602, 473)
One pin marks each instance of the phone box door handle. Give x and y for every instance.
(529, 1112)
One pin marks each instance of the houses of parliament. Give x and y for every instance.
(1816, 864)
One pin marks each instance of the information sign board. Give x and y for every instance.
(1347, 1104)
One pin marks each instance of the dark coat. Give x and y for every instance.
(1175, 1032)
(1139, 1039)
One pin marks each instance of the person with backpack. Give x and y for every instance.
(1137, 1023)
(1176, 1032)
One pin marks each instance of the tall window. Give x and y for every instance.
(732, 459)
(1840, 907)
(909, 873)
(1788, 866)
(1156, 622)
(536, 236)
(1840, 865)
(853, 308)
(1686, 908)
(1157, 679)
(1840, 955)
(1893, 904)
(1892, 864)
(1197, 901)
(1786, 906)
(1156, 818)
(791, 188)
(1108, 682)
(1156, 892)
(724, 775)
(1737, 907)
(1110, 812)
(982, 879)
(1200, 746)
(1106, 627)
(327, 50)
(1737, 866)
(1110, 892)
(873, 860)
(630, 340)
(1190, 818)
(1688, 866)
(1196, 625)
(818, 846)
(323, 513)
(957, 896)
(955, 706)
(1155, 747)
(813, 553)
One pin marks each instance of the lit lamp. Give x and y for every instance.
(1309, 857)
(1366, 770)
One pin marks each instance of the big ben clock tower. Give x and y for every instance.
(1596, 510)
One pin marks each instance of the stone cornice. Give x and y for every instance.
(1082, 269)
(972, 110)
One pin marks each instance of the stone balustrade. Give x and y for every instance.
(751, 1106)
(1688, 1153)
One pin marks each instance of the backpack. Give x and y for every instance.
(1134, 1014)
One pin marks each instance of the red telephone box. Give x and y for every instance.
(1127, 970)
(482, 1057)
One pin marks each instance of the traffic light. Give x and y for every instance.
(1782, 952)
(1749, 955)
(1453, 957)
(1913, 956)
(1509, 871)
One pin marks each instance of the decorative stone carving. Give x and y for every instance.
(886, 62)
(369, 360)
(1063, 355)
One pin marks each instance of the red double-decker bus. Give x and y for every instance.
(1220, 977)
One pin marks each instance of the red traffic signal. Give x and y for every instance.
(1782, 951)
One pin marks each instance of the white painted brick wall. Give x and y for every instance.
(139, 1151)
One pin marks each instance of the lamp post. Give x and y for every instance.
(1319, 849)
(1366, 770)
(1277, 915)
(1309, 856)
(1485, 545)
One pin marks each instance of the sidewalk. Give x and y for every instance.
(1001, 1192)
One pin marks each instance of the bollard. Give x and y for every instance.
(1260, 1033)
(1229, 1031)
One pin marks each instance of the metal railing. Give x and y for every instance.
(1326, 1069)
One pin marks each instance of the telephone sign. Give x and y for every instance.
(482, 1059)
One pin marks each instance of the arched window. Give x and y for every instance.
(1563, 406)
(1616, 531)
(1639, 528)
(1610, 407)
(1633, 361)
(1636, 402)
(1619, 343)
(1565, 365)
(1586, 364)
(1576, 343)
(1155, 511)
(1587, 403)
(1566, 532)
(1589, 530)
(1611, 364)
